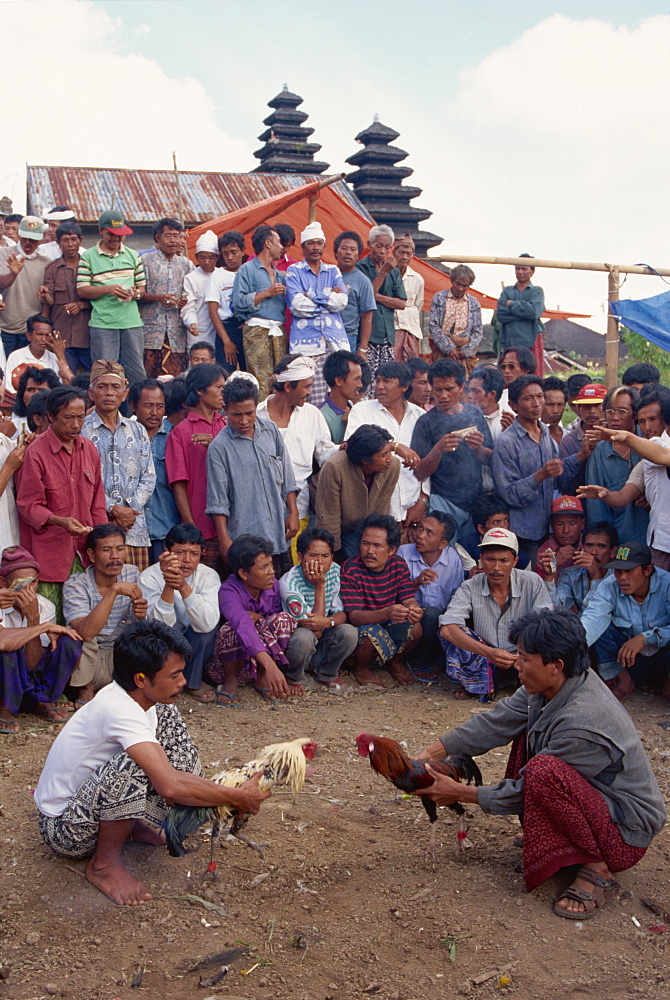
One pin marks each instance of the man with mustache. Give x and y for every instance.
(103, 601)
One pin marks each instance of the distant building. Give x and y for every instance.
(145, 195)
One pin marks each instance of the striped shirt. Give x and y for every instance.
(81, 595)
(474, 605)
(365, 590)
(122, 268)
(297, 594)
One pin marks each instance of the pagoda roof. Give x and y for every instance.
(378, 132)
(376, 152)
(285, 99)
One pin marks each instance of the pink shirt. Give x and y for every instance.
(187, 462)
(53, 481)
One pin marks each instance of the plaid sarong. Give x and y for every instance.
(210, 552)
(275, 631)
(138, 555)
(119, 790)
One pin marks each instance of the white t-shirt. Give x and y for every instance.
(110, 723)
(220, 289)
(12, 617)
(24, 356)
(657, 492)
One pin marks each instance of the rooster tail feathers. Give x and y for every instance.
(467, 767)
(180, 822)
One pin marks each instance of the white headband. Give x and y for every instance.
(59, 216)
(313, 232)
(299, 369)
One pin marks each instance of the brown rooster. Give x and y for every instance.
(280, 763)
(388, 759)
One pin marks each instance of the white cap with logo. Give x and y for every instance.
(500, 538)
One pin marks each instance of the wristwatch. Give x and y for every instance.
(332, 623)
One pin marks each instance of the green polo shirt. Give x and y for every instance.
(382, 319)
(123, 268)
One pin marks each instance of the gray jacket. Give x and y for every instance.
(585, 726)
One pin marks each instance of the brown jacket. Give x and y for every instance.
(343, 499)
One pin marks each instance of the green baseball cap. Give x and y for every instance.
(115, 222)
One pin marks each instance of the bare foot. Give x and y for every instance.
(295, 690)
(117, 883)
(142, 833)
(621, 686)
(204, 694)
(364, 675)
(400, 673)
(84, 695)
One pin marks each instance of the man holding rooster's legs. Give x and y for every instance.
(577, 774)
(122, 759)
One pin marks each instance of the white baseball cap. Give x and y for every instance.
(500, 538)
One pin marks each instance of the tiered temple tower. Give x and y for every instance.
(285, 149)
(378, 184)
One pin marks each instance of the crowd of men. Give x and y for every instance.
(244, 470)
(253, 450)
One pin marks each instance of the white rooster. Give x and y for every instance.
(281, 764)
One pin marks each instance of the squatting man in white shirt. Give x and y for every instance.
(120, 760)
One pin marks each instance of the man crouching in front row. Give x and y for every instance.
(120, 760)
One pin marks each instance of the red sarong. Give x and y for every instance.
(565, 820)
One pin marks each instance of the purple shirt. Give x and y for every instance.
(236, 602)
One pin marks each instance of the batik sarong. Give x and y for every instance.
(120, 790)
(389, 639)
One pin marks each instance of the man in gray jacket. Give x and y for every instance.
(577, 773)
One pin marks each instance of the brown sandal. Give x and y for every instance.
(604, 890)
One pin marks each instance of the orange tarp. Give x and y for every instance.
(335, 215)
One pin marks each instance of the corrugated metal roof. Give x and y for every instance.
(145, 195)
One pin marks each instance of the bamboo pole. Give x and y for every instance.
(613, 272)
(612, 341)
(314, 196)
(180, 205)
(542, 262)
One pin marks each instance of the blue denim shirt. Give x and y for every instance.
(650, 619)
(249, 280)
(161, 510)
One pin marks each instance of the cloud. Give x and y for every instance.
(558, 145)
(91, 105)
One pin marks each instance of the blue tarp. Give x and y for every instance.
(648, 317)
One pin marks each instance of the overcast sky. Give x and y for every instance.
(533, 126)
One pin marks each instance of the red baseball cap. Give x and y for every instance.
(567, 505)
(592, 393)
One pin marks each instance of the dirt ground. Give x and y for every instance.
(345, 905)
